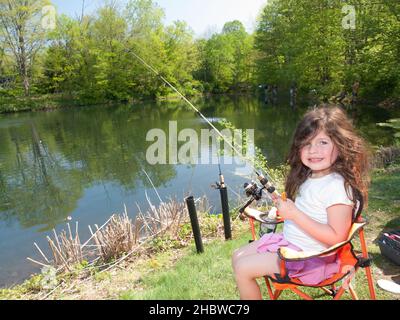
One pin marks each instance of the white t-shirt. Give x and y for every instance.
(314, 197)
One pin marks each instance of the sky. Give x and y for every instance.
(203, 16)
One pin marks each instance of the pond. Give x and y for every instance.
(83, 164)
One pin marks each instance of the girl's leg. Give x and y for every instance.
(251, 267)
(246, 250)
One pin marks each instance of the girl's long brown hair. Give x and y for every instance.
(353, 159)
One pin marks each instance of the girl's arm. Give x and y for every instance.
(337, 229)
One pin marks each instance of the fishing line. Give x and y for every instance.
(265, 182)
(158, 195)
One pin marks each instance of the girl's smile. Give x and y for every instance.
(319, 154)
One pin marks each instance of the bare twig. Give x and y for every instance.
(37, 262)
(41, 252)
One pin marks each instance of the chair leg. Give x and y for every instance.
(367, 269)
(339, 293)
(277, 294)
(301, 294)
(370, 283)
(271, 294)
(330, 292)
(353, 293)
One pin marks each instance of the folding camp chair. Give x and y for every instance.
(350, 262)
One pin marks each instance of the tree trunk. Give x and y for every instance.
(23, 61)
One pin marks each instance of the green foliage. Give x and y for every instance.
(160, 244)
(304, 41)
(394, 124)
(34, 284)
(226, 59)
(210, 224)
(185, 231)
(102, 276)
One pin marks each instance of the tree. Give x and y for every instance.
(182, 56)
(226, 58)
(62, 58)
(145, 39)
(22, 32)
(2, 57)
(109, 49)
(242, 45)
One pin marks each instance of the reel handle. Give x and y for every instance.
(284, 198)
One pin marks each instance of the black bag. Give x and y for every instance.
(389, 244)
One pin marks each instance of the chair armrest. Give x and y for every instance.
(261, 216)
(288, 254)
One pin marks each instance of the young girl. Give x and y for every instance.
(328, 168)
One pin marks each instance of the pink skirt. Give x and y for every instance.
(310, 271)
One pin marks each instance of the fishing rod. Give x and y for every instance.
(266, 184)
(223, 192)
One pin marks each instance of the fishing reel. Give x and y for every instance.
(253, 190)
(219, 185)
(268, 220)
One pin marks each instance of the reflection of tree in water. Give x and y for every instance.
(50, 161)
(41, 191)
(274, 126)
(114, 140)
(366, 118)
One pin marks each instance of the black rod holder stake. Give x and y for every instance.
(225, 213)
(195, 223)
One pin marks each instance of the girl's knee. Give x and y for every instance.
(241, 269)
(235, 255)
(235, 258)
(255, 266)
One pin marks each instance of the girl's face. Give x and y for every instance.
(319, 154)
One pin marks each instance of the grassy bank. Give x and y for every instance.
(57, 101)
(36, 103)
(176, 271)
(49, 102)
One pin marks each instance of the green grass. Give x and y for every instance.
(195, 276)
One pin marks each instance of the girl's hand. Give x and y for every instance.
(286, 209)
